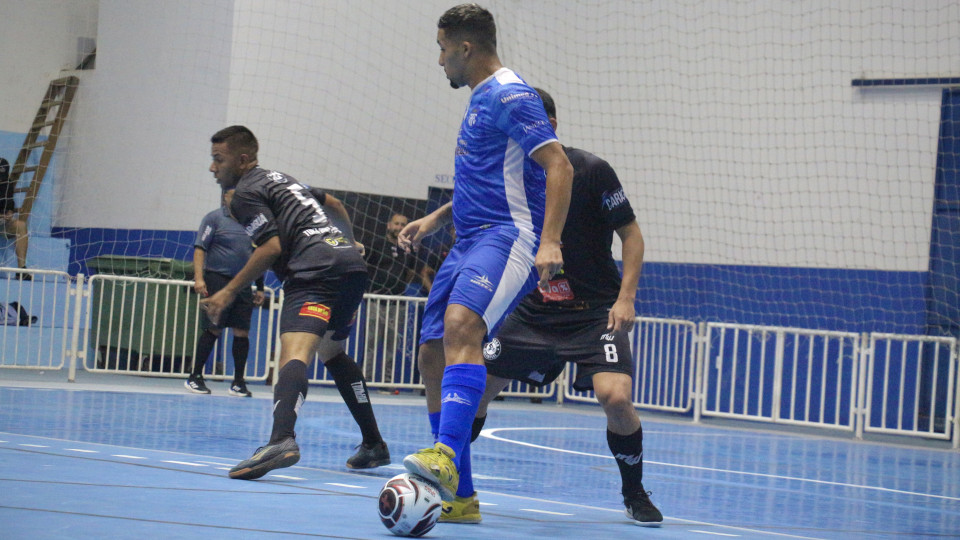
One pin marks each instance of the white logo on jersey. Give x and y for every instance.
(257, 222)
(608, 337)
(206, 232)
(613, 200)
(277, 177)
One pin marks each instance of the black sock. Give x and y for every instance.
(288, 396)
(628, 452)
(205, 345)
(477, 427)
(353, 390)
(241, 348)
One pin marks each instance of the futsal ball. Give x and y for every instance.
(409, 505)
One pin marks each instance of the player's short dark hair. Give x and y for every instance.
(238, 138)
(470, 22)
(548, 104)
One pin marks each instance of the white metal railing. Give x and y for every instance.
(45, 341)
(664, 353)
(898, 367)
(783, 375)
(148, 325)
(871, 383)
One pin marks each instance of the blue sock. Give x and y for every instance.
(435, 425)
(465, 489)
(461, 391)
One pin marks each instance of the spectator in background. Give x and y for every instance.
(13, 226)
(391, 270)
(220, 251)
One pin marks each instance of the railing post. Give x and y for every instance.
(78, 292)
(700, 360)
(863, 361)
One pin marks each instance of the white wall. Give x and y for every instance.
(732, 124)
(39, 39)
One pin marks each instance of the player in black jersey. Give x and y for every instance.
(297, 231)
(584, 316)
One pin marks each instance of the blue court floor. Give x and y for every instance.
(128, 457)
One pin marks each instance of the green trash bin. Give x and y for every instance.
(143, 326)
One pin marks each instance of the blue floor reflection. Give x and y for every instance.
(101, 464)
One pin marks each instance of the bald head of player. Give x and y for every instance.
(233, 152)
(467, 36)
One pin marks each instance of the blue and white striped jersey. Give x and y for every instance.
(497, 184)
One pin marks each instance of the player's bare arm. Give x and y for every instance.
(336, 207)
(554, 161)
(261, 260)
(414, 232)
(623, 312)
(199, 284)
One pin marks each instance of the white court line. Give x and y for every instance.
(535, 511)
(182, 463)
(344, 485)
(285, 477)
(500, 494)
(489, 433)
(711, 532)
(82, 450)
(34, 445)
(214, 463)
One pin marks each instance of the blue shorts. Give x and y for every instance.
(489, 274)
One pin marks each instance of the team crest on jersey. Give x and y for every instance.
(471, 119)
(314, 309)
(491, 350)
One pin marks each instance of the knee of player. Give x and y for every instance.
(615, 399)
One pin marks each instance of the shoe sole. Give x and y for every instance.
(370, 464)
(413, 465)
(252, 473)
(463, 521)
(195, 391)
(643, 523)
(240, 394)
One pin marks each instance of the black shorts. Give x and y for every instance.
(237, 314)
(318, 306)
(537, 353)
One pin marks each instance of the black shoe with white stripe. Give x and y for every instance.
(196, 385)
(641, 509)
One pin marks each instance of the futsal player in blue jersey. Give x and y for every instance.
(511, 193)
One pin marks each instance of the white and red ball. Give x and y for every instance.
(410, 505)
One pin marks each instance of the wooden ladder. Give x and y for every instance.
(50, 118)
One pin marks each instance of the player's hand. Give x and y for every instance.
(361, 247)
(411, 235)
(214, 305)
(200, 286)
(258, 297)
(621, 316)
(549, 261)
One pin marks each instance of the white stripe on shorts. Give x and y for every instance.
(515, 274)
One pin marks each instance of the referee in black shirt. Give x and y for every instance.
(297, 232)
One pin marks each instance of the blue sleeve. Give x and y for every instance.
(205, 235)
(519, 113)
